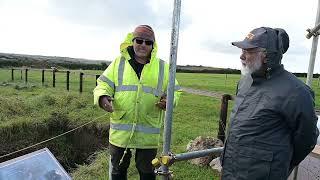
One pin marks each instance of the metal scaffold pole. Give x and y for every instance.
(313, 32)
(170, 91)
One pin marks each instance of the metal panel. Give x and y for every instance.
(40, 165)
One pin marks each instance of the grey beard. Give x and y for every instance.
(247, 70)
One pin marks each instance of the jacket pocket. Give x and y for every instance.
(117, 115)
(253, 163)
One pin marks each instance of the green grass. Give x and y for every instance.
(38, 103)
(227, 83)
(195, 115)
(209, 82)
(98, 170)
(223, 83)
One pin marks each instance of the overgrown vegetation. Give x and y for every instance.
(32, 114)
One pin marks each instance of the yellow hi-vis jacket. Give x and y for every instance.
(136, 120)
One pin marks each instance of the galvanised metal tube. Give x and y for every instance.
(313, 31)
(170, 92)
(313, 51)
(197, 154)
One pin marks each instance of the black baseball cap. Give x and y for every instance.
(273, 40)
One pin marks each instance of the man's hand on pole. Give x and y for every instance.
(162, 103)
(105, 103)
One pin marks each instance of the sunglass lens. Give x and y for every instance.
(139, 41)
(148, 43)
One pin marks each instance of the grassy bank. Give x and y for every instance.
(31, 114)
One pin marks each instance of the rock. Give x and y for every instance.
(202, 143)
(215, 164)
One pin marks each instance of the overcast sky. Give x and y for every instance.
(94, 29)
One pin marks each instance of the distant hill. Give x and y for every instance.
(205, 69)
(37, 61)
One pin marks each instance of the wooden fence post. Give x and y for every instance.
(223, 116)
(21, 74)
(53, 78)
(68, 74)
(12, 74)
(225, 80)
(97, 76)
(81, 81)
(26, 75)
(42, 77)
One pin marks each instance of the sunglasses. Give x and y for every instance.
(146, 42)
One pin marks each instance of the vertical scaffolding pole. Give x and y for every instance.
(313, 51)
(314, 32)
(170, 92)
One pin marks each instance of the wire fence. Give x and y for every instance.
(80, 80)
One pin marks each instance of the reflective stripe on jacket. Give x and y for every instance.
(136, 120)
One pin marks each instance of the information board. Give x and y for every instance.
(38, 165)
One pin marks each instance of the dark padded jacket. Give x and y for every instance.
(272, 127)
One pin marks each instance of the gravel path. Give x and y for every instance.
(214, 94)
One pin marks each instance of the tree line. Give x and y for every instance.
(25, 62)
(46, 65)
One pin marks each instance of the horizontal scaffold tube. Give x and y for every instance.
(197, 154)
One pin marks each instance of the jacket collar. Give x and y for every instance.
(269, 74)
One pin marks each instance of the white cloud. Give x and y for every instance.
(94, 29)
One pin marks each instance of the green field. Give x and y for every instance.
(25, 108)
(223, 83)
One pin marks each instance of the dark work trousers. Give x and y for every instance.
(143, 158)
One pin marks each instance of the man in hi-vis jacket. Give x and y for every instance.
(133, 88)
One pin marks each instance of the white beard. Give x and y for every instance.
(248, 69)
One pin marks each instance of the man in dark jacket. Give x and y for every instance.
(273, 123)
